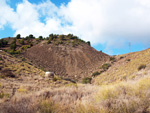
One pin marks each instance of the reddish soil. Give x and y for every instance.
(65, 60)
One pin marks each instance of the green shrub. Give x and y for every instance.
(95, 73)
(31, 36)
(106, 66)
(89, 43)
(12, 52)
(21, 41)
(31, 44)
(40, 38)
(142, 66)
(13, 46)
(62, 37)
(3, 42)
(25, 47)
(2, 95)
(54, 79)
(128, 60)
(18, 36)
(58, 42)
(75, 43)
(2, 76)
(49, 41)
(86, 80)
(121, 57)
(113, 59)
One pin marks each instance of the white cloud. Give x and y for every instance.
(6, 13)
(110, 22)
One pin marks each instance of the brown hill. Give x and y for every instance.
(66, 59)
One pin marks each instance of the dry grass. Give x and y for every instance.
(65, 99)
(124, 70)
(126, 97)
(19, 67)
(123, 97)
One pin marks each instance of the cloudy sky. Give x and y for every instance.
(109, 24)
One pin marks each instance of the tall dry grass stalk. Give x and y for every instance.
(123, 97)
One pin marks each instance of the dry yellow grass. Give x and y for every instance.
(124, 70)
(123, 97)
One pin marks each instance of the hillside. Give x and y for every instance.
(121, 83)
(133, 66)
(72, 62)
(65, 55)
(20, 77)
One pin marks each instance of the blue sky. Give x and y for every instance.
(109, 25)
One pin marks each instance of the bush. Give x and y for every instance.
(31, 44)
(40, 38)
(18, 36)
(62, 37)
(7, 73)
(31, 36)
(58, 42)
(95, 73)
(3, 42)
(89, 43)
(54, 79)
(121, 57)
(13, 46)
(49, 41)
(2, 95)
(128, 60)
(25, 47)
(86, 80)
(106, 66)
(143, 66)
(13, 52)
(113, 59)
(21, 41)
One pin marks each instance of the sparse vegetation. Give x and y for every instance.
(13, 45)
(49, 41)
(3, 43)
(7, 73)
(21, 41)
(95, 74)
(121, 57)
(128, 60)
(113, 59)
(2, 95)
(22, 90)
(40, 37)
(40, 94)
(106, 66)
(18, 36)
(142, 66)
(89, 43)
(86, 80)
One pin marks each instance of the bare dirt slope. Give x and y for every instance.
(17, 76)
(128, 66)
(66, 60)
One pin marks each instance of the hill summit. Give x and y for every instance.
(65, 55)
